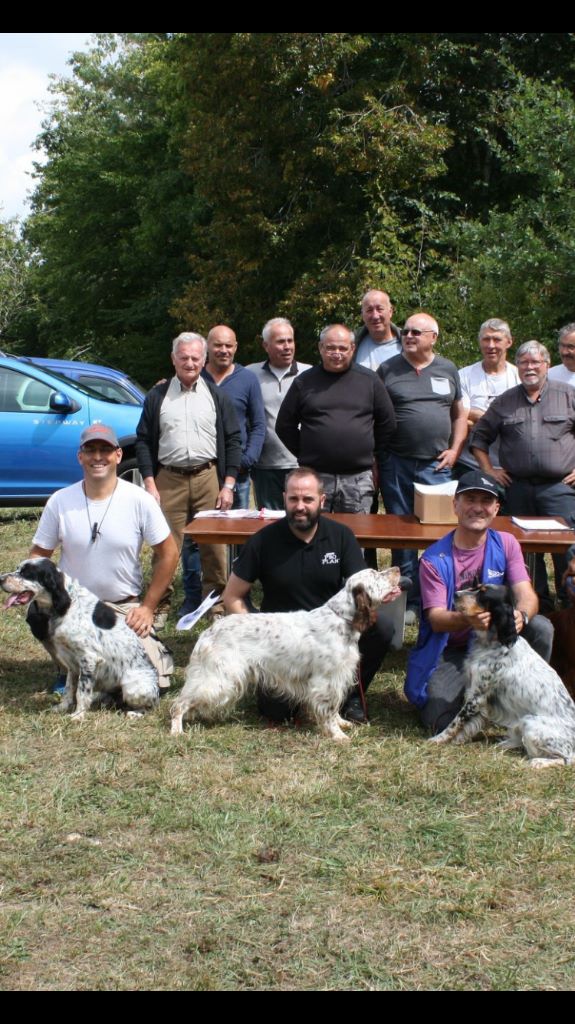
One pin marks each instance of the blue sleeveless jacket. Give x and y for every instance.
(424, 659)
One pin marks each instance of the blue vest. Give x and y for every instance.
(424, 659)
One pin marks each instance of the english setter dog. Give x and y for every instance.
(310, 657)
(101, 653)
(510, 685)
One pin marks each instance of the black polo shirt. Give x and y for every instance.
(298, 576)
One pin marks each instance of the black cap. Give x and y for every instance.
(475, 480)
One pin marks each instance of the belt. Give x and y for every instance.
(188, 471)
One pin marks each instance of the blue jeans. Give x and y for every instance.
(242, 491)
(191, 564)
(397, 475)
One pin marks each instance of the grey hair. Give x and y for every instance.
(494, 324)
(530, 348)
(186, 337)
(565, 331)
(276, 321)
(330, 327)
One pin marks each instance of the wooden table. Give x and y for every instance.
(382, 531)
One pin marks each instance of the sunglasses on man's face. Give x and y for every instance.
(405, 331)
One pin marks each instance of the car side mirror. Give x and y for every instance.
(61, 402)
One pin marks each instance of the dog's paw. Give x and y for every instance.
(135, 714)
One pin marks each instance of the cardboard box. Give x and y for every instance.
(435, 504)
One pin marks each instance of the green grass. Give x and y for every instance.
(239, 857)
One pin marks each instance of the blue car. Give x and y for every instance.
(41, 418)
(110, 383)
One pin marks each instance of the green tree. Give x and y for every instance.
(14, 282)
(316, 171)
(113, 211)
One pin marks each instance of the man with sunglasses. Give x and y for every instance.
(100, 525)
(431, 429)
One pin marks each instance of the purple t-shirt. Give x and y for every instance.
(468, 566)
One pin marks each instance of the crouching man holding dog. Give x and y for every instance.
(100, 524)
(301, 562)
(470, 555)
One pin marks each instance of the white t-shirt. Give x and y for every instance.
(110, 565)
(562, 373)
(478, 389)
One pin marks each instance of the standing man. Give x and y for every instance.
(431, 429)
(100, 524)
(565, 372)
(535, 426)
(189, 451)
(471, 554)
(301, 562)
(335, 418)
(275, 375)
(482, 382)
(241, 386)
(379, 339)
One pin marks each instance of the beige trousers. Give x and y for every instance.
(182, 497)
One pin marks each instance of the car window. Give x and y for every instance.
(110, 389)
(20, 393)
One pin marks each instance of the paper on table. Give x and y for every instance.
(538, 524)
(240, 513)
(187, 621)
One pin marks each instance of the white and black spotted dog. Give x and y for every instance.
(101, 654)
(309, 657)
(510, 685)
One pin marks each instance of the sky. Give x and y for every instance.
(26, 60)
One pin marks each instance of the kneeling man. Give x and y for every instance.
(301, 562)
(470, 555)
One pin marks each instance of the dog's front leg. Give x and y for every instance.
(465, 725)
(84, 690)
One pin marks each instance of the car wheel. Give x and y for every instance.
(128, 470)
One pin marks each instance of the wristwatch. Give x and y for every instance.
(525, 618)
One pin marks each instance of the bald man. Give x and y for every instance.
(379, 339)
(431, 428)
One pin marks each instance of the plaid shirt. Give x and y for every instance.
(536, 439)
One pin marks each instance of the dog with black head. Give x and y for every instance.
(511, 686)
(101, 654)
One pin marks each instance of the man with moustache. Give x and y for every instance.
(336, 418)
(535, 426)
(275, 375)
(301, 562)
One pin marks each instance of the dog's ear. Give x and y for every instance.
(503, 622)
(53, 581)
(365, 614)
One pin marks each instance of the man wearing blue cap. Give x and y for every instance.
(470, 555)
(100, 525)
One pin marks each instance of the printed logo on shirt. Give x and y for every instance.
(330, 558)
(494, 575)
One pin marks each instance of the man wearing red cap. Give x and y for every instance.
(100, 525)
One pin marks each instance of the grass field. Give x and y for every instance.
(239, 857)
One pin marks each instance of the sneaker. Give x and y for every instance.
(59, 686)
(160, 619)
(411, 617)
(353, 711)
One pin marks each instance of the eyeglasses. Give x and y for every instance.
(405, 331)
(96, 449)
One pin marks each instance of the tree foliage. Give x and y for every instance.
(192, 178)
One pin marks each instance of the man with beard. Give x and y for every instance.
(301, 562)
